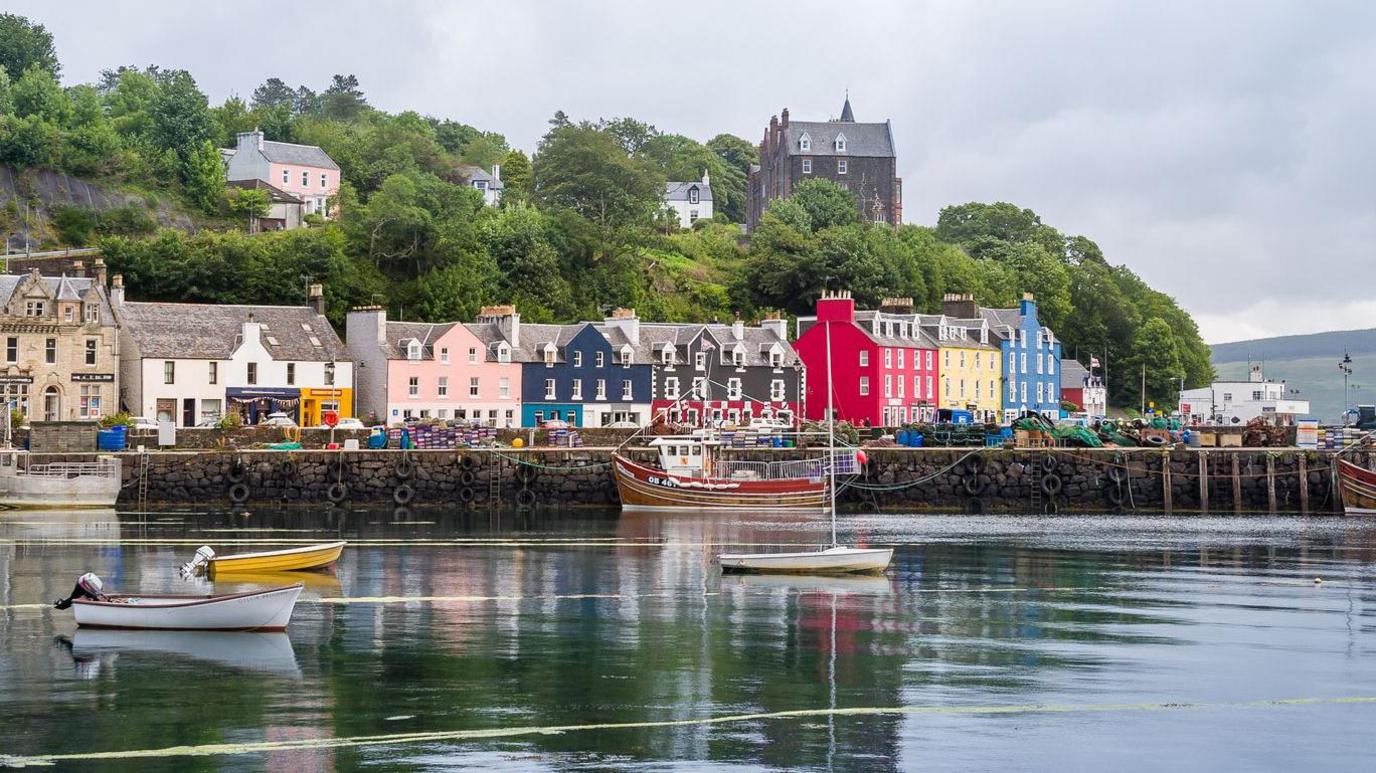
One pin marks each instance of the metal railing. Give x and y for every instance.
(788, 469)
(104, 468)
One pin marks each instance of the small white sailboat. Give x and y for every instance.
(261, 610)
(836, 559)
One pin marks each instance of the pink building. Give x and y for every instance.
(423, 370)
(304, 171)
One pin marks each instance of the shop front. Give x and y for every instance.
(315, 402)
(255, 404)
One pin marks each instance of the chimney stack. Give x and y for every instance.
(627, 322)
(959, 305)
(315, 298)
(775, 321)
(99, 265)
(738, 328)
(897, 305)
(78, 268)
(117, 290)
(507, 321)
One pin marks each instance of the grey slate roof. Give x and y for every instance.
(400, 332)
(678, 191)
(297, 155)
(862, 139)
(274, 193)
(67, 288)
(920, 339)
(1073, 374)
(473, 172)
(203, 331)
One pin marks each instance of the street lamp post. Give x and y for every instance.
(1346, 367)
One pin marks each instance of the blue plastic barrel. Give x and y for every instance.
(915, 440)
(901, 437)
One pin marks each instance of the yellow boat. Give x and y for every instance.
(307, 558)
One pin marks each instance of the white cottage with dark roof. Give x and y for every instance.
(61, 346)
(194, 362)
(691, 200)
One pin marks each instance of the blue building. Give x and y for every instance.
(586, 374)
(1031, 360)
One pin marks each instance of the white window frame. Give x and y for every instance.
(864, 358)
(864, 386)
(600, 390)
(776, 390)
(549, 389)
(627, 390)
(576, 389)
(807, 166)
(733, 389)
(671, 388)
(504, 387)
(413, 386)
(841, 166)
(577, 359)
(474, 386)
(442, 386)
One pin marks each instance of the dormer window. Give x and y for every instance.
(805, 142)
(693, 195)
(626, 356)
(413, 349)
(503, 352)
(840, 143)
(33, 308)
(737, 357)
(550, 353)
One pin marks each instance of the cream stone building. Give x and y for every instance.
(60, 346)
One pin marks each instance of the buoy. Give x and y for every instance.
(1318, 581)
(860, 458)
(518, 443)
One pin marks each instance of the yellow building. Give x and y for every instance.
(970, 368)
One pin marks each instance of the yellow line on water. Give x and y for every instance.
(260, 747)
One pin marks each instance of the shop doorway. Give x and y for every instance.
(52, 404)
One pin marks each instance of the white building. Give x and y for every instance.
(1225, 403)
(691, 200)
(489, 185)
(192, 363)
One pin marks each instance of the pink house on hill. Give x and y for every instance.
(303, 171)
(423, 370)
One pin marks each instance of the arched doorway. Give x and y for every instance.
(52, 404)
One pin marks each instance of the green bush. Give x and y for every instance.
(125, 221)
(75, 225)
(117, 419)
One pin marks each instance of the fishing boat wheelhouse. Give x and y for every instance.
(693, 475)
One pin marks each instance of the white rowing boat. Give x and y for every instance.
(835, 560)
(260, 610)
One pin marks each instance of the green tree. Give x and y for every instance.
(231, 118)
(181, 120)
(964, 223)
(273, 93)
(343, 100)
(6, 97)
(738, 154)
(37, 93)
(204, 176)
(585, 169)
(24, 44)
(485, 150)
(827, 203)
(27, 142)
(1156, 354)
(247, 204)
(516, 172)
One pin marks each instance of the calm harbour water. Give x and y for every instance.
(447, 640)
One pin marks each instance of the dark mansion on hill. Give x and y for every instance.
(859, 156)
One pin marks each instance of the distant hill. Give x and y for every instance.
(1308, 363)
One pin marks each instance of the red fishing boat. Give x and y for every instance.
(1358, 485)
(691, 475)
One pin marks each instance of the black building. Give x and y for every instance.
(859, 156)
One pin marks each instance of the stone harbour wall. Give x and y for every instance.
(894, 479)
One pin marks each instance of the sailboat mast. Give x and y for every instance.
(831, 440)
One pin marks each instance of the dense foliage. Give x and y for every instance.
(582, 227)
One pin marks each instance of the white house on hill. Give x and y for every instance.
(691, 200)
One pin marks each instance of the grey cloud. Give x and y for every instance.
(1221, 150)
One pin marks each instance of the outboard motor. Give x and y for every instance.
(198, 562)
(88, 586)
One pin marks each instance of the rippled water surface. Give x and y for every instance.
(447, 640)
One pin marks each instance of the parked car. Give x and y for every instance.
(555, 424)
(279, 419)
(142, 423)
(350, 423)
(623, 425)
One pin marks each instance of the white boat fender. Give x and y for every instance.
(198, 562)
(88, 586)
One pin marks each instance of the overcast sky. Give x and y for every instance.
(1224, 153)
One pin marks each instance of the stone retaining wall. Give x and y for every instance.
(902, 479)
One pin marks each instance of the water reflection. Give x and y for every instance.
(457, 621)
